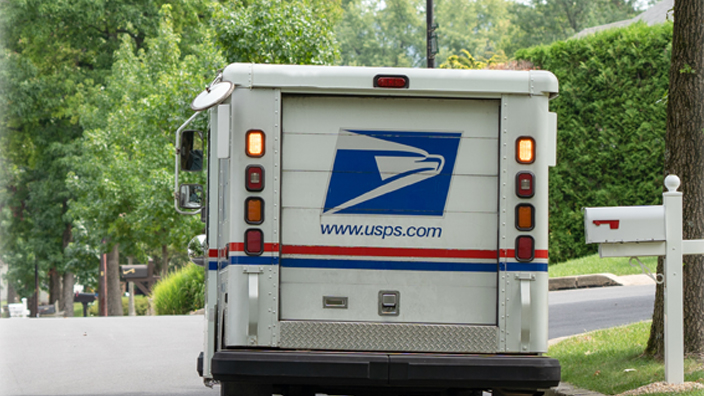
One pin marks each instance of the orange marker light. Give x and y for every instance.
(524, 217)
(525, 150)
(255, 143)
(254, 211)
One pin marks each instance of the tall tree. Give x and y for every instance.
(126, 153)
(482, 27)
(48, 51)
(382, 33)
(545, 21)
(270, 31)
(684, 157)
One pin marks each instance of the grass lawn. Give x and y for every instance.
(595, 265)
(610, 361)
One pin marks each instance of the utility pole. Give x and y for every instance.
(432, 39)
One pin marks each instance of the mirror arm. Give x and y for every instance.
(177, 167)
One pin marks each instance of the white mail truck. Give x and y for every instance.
(374, 230)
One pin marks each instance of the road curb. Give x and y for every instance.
(583, 281)
(565, 389)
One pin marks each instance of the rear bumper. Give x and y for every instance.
(386, 370)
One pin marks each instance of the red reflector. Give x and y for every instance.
(254, 178)
(391, 82)
(525, 248)
(524, 184)
(254, 242)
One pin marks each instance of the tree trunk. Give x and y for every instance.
(54, 286)
(34, 309)
(130, 306)
(102, 287)
(113, 281)
(164, 261)
(67, 307)
(66, 300)
(11, 294)
(684, 157)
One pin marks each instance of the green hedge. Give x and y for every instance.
(180, 292)
(611, 125)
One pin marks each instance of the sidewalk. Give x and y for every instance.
(565, 389)
(598, 280)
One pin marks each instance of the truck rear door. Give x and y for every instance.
(389, 210)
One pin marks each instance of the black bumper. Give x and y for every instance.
(386, 370)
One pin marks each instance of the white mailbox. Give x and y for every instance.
(633, 231)
(622, 224)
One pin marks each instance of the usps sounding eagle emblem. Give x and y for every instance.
(391, 172)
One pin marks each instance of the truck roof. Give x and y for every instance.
(422, 82)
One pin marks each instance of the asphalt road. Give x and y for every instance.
(156, 356)
(578, 311)
(127, 356)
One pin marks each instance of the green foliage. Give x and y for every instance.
(141, 307)
(611, 361)
(393, 32)
(50, 51)
(483, 27)
(123, 178)
(611, 125)
(382, 33)
(271, 31)
(593, 264)
(181, 292)
(545, 21)
(465, 60)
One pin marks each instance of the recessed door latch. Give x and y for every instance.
(389, 303)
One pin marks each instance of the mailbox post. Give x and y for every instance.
(84, 298)
(632, 231)
(674, 318)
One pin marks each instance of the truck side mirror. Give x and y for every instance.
(191, 196)
(191, 151)
(197, 250)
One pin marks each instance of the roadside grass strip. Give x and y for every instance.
(588, 265)
(611, 361)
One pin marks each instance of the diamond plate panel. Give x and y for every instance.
(403, 337)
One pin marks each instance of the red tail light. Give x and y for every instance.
(391, 82)
(254, 242)
(525, 248)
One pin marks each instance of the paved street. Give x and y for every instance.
(101, 356)
(581, 310)
(156, 356)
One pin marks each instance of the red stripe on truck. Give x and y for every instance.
(387, 252)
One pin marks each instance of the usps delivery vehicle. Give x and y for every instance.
(374, 230)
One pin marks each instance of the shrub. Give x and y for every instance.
(180, 292)
(141, 307)
(611, 125)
